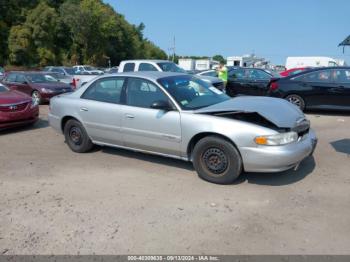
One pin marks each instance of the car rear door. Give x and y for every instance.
(149, 129)
(10, 81)
(237, 83)
(318, 88)
(101, 111)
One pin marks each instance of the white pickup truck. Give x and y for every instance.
(163, 66)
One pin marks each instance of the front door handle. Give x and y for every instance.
(129, 116)
(84, 109)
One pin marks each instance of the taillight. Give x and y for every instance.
(273, 86)
(74, 83)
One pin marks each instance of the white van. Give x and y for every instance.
(309, 61)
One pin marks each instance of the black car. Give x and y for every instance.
(320, 88)
(248, 81)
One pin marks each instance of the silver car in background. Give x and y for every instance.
(180, 116)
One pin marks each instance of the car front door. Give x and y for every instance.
(341, 89)
(257, 83)
(22, 84)
(101, 111)
(149, 129)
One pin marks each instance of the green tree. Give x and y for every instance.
(219, 58)
(20, 45)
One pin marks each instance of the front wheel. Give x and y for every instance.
(296, 100)
(36, 97)
(217, 160)
(76, 137)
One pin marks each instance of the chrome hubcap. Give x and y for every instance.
(294, 100)
(215, 160)
(36, 97)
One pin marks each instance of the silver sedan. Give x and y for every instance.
(180, 116)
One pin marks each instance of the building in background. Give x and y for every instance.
(312, 61)
(197, 64)
(247, 61)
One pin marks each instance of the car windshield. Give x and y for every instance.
(192, 93)
(3, 89)
(170, 67)
(69, 70)
(40, 78)
(54, 76)
(89, 68)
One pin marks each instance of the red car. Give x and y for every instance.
(294, 71)
(40, 86)
(16, 108)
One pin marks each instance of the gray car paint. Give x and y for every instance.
(170, 133)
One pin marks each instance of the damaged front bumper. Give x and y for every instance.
(278, 158)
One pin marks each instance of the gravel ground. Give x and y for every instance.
(111, 201)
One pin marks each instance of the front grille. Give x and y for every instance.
(13, 107)
(302, 127)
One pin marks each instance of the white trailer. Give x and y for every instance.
(310, 61)
(187, 63)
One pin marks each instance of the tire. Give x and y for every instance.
(216, 160)
(296, 100)
(76, 137)
(36, 95)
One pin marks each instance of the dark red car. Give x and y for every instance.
(40, 86)
(294, 71)
(16, 108)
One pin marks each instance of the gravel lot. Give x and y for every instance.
(111, 201)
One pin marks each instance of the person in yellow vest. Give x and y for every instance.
(222, 73)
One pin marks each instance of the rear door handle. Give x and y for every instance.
(129, 116)
(84, 109)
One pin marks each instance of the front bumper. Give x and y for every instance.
(19, 118)
(278, 158)
(47, 96)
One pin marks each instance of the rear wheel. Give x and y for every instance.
(36, 97)
(296, 100)
(76, 137)
(217, 160)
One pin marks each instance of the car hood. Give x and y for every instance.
(13, 97)
(53, 86)
(278, 111)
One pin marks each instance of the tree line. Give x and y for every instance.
(67, 32)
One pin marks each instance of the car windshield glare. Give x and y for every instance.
(40, 78)
(3, 89)
(191, 93)
(170, 67)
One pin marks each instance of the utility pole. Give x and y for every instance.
(173, 48)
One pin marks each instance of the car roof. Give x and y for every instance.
(27, 72)
(317, 69)
(152, 75)
(147, 60)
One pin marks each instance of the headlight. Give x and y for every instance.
(46, 90)
(277, 140)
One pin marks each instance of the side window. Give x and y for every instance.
(105, 90)
(147, 67)
(20, 79)
(11, 78)
(256, 74)
(142, 93)
(57, 70)
(342, 75)
(129, 67)
(237, 74)
(318, 76)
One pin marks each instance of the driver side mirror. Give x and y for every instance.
(162, 105)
